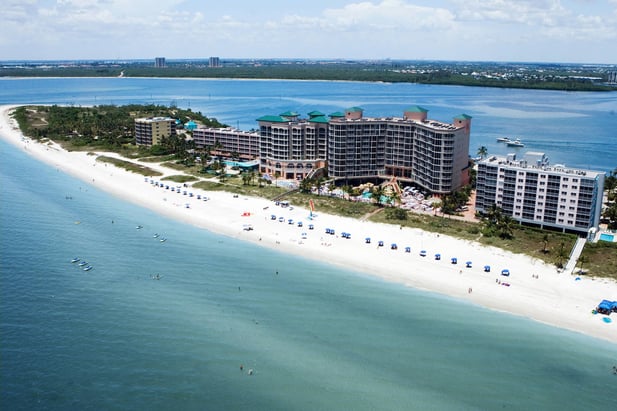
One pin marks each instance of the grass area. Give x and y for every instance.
(129, 166)
(180, 178)
(599, 259)
(331, 205)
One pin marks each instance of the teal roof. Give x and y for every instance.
(289, 114)
(337, 114)
(191, 125)
(316, 114)
(463, 117)
(273, 119)
(318, 119)
(417, 109)
(355, 109)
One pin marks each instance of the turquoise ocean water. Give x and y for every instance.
(315, 336)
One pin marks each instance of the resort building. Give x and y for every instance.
(150, 131)
(291, 147)
(535, 193)
(228, 140)
(159, 62)
(412, 148)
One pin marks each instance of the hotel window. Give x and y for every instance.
(560, 220)
(572, 201)
(561, 214)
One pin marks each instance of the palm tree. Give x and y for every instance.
(482, 151)
(582, 259)
(545, 239)
(376, 193)
(561, 254)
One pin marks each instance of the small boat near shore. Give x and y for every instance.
(515, 143)
(83, 263)
(88, 268)
(74, 260)
(503, 139)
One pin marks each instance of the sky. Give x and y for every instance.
(567, 31)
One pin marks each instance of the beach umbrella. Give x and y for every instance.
(393, 246)
(487, 268)
(311, 226)
(505, 272)
(408, 249)
(423, 254)
(367, 240)
(453, 260)
(380, 243)
(437, 256)
(468, 264)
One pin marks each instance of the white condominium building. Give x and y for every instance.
(535, 193)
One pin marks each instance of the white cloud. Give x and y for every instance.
(440, 29)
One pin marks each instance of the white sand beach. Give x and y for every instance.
(533, 289)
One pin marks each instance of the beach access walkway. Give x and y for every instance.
(575, 254)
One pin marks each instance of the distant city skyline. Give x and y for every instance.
(566, 31)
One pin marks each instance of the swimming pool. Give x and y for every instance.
(607, 237)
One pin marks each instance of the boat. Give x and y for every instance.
(503, 139)
(83, 263)
(515, 143)
(139, 227)
(162, 240)
(74, 260)
(88, 268)
(156, 236)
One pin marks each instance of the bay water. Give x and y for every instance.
(315, 336)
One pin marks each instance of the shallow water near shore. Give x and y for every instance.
(316, 337)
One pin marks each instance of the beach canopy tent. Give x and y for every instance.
(380, 243)
(311, 226)
(453, 260)
(393, 246)
(408, 249)
(367, 240)
(505, 272)
(487, 268)
(423, 253)
(437, 256)
(606, 307)
(468, 264)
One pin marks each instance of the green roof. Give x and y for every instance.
(273, 119)
(318, 119)
(355, 109)
(417, 109)
(463, 117)
(316, 114)
(289, 114)
(337, 114)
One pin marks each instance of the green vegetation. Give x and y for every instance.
(129, 166)
(610, 212)
(599, 259)
(484, 74)
(104, 127)
(181, 178)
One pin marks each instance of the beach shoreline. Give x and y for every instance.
(534, 289)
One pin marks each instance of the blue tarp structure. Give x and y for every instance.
(606, 307)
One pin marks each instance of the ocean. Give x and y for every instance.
(577, 129)
(315, 336)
